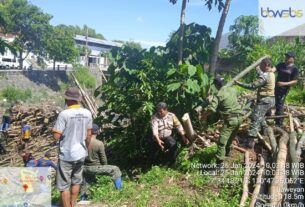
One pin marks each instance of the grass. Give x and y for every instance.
(13, 94)
(182, 186)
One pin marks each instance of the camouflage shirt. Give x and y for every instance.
(164, 126)
(225, 102)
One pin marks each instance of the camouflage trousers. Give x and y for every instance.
(227, 134)
(90, 173)
(258, 119)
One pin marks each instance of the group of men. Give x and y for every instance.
(81, 155)
(271, 91)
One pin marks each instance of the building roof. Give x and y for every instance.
(97, 41)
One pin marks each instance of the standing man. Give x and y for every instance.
(265, 99)
(73, 130)
(96, 164)
(162, 125)
(6, 120)
(225, 102)
(287, 75)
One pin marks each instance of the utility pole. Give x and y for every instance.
(86, 49)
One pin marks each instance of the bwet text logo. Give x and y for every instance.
(285, 13)
(281, 18)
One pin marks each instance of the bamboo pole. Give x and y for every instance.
(261, 138)
(259, 181)
(188, 127)
(245, 181)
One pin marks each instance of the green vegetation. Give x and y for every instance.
(161, 186)
(84, 77)
(13, 94)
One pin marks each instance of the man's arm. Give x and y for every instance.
(252, 86)
(154, 126)
(102, 155)
(88, 137)
(290, 83)
(59, 127)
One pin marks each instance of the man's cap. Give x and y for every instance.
(47, 154)
(95, 128)
(73, 93)
(290, 54)
(219, 81)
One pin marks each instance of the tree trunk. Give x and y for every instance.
(181, 32)
(54, 63)
(20, 59)
(246, 71)
(218, 36)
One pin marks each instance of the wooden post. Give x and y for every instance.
(188, 127)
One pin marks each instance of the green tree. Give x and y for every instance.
(197, 44)
(243, 37)
(208, 3)
(29, 24)
(3, 24)
(76, 30)
(60, 45)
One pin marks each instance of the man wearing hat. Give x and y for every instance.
(287, 75)
(96, 164)
(73, 130)
(225, 102)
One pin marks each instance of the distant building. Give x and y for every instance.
(97, 48)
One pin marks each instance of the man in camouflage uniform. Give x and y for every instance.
(162, 124)
(225, 102)
(96, 164)
(265, 99)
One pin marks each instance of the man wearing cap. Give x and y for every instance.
(162, 124)
(73, 130)
(96, 164)
(265, 99)
(287, 75)
(46, 162)
(225, 102)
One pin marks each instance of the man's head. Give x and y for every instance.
(95, 129)
(290, 57)
(72, 96)
(219, 82)
(266, 64)
(47, 154)
(162, 109)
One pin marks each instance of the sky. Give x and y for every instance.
(148, 22)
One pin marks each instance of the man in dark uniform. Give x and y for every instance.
(287, 75)
(225, 102)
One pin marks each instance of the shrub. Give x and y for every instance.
(12, 94)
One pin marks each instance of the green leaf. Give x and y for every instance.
(173, 86)
(192, 86)
(171, 72)
(191, 70)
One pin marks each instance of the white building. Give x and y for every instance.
(97, 48)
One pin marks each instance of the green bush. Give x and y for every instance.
(12, 94)
(84, 77)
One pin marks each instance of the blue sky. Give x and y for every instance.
(146, 21)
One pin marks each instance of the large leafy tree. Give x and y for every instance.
(139, 79)
(197, 44)
(208, 3)
(3, 25)
(60, 45)
(29, 24)
(243, 37)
